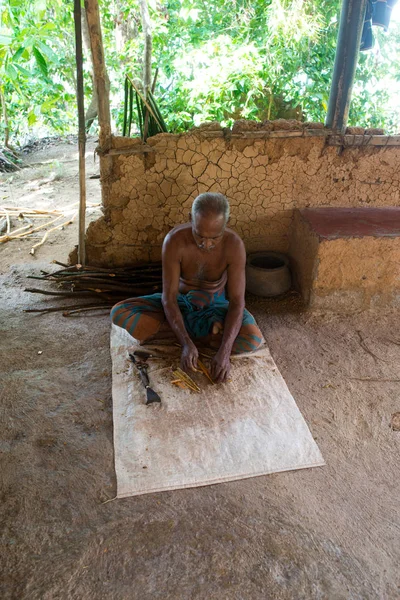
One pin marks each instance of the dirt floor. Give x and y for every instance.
(324, 533)
(49, 180)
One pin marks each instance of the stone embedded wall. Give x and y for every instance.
(148, 188)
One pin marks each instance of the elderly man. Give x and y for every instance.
(201, 260)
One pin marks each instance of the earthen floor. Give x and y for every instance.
(323, 533)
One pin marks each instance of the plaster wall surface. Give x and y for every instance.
(147, 189)
(357, 273)
(347, 259)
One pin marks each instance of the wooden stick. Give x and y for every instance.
(186, 378)
(146, 25)
(182, 385)
(44, 238)
(33, 210)
(185, 384)
(153, 85)
(67, 313)
(60, 308)
(48, 293)
(15, 237)
(126, 93)
(8, 221)
(32, 215)
(81, 132)
(100, 72)
(204, 370)
(147, 105)
(6, 238)
(57, 262)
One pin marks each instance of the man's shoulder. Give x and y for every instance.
(177, 235)
(233, 240)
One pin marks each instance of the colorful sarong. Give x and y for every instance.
(142, 317)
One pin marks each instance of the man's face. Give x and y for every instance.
(208, 231)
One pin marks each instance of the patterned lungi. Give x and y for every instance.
(142, 318)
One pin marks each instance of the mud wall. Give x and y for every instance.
(148, 188)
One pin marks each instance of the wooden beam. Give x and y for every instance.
(348, 141)
(100, 72)
(347, 49)
(82, 133)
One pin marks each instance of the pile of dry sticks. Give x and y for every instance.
(33, 222)
(101, 287)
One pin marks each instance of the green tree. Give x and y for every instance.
(217, 60)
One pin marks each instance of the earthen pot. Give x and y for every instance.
(267, 274)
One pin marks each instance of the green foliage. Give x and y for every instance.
(217, 60)
(37, 64)
(263, 59)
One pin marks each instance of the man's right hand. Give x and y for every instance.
(189, 357)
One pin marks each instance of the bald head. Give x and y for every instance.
(210, 203)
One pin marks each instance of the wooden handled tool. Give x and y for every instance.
(151, 395)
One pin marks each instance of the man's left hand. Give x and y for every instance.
(220, 367)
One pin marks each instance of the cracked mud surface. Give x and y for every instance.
(265, 180)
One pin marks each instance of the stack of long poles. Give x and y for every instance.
(100, 286)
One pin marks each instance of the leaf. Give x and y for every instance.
(41, 61)
(51, 55)
(11, 71)
(18, 53)
(32, 118)
(48, 27)
(23, 71)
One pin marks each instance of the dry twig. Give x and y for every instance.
(44, 238)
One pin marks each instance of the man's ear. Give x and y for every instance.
(190, 216)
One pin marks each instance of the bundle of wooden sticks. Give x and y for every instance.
(102, 287)
(183, 380)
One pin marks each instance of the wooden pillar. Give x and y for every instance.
(82, 132)
(100, 73)
(347, 49)
(146, 23)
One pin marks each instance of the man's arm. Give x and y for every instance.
(236, 284)
(171, 270)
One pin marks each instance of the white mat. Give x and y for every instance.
(248, 427)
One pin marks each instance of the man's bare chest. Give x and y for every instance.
(203, 266)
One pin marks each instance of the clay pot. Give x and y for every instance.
(267, 274)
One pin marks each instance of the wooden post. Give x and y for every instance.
(100, 73)
(146, 23)
(347, 50)
(82, 133)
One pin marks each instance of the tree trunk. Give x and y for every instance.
(100, 73)
(92, 110)
(6, 122)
